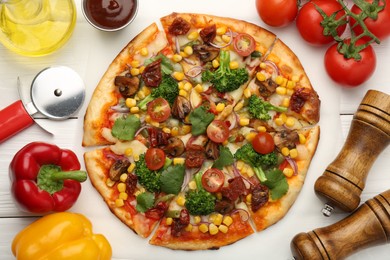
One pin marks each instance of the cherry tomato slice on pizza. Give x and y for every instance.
(218, 131)
(155, 158)
(213, 180)
(159, 110)
(263, 143)
(244, 44)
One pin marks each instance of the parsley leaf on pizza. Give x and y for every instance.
(172, 179)
(200, 118)
(124, 128)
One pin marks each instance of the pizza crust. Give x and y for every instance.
(196, 240)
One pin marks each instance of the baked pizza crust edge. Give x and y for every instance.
(240, 230)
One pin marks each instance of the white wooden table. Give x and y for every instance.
(90, 51)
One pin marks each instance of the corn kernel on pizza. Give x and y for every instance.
(206, 129)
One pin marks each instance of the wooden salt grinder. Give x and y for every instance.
(369, 225)
(344, 179)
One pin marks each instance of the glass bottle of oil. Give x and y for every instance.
(36, 27)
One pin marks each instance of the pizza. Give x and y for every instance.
(203, 130)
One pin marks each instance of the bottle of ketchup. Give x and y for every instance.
(110, 15)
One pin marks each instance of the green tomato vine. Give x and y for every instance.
(351, 48)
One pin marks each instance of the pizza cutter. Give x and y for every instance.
(56, 92)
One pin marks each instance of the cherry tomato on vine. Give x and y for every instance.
(309, 21)
(244, 44)
(218, 131)
(159, 110)
(263, 143)
(379, 27)
(350, 72)
(277, 13)
(213, 180)
(155, 158)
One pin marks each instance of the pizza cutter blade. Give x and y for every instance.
(56, 92)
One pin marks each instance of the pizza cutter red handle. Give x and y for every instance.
(13, 119)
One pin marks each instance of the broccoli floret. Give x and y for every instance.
(257, 161)
(269, 160)
(259, 108)
(199, 201)
(225, 79)
(146, 177)
(168, 89)
(144, 102)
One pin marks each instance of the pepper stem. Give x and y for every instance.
(79, 176)
(51, 178)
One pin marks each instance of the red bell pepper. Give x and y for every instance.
(45, 178)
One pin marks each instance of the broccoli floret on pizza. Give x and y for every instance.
(199, 201)
(258, 108)
(225, 79)
(146, 177)
(168, 89)
(257, 161)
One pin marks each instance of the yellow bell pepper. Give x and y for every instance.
(63, 235)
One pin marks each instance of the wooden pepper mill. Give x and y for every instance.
(344, 179)
(369, 225)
